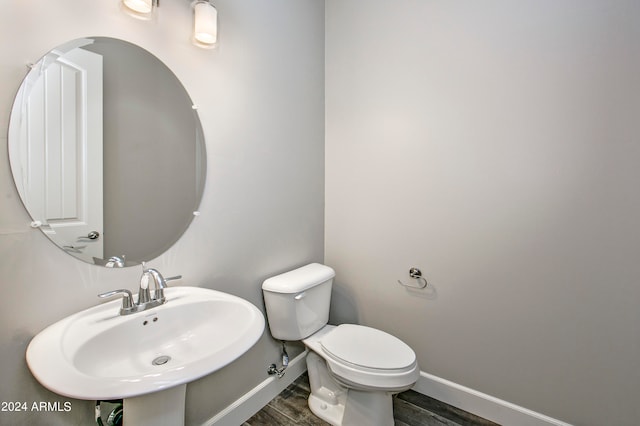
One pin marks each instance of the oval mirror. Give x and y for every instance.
(107, 151)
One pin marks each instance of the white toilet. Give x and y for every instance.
(353, 370)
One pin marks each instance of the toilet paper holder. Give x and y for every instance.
(416, 274)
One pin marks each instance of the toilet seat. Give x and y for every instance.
(367, 347)
(366, 358)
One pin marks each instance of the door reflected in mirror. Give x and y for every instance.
(107, 151)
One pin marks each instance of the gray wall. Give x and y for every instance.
(260, 96)
(496, 146)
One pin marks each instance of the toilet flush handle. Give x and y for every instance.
(300, 295)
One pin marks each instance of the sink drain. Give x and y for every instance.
(161, 360)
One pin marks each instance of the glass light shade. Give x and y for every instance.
(139, 6)
(205, 24)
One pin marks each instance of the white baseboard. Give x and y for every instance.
(250, 403)
(480, 404)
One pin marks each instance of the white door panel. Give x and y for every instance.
(64, 160)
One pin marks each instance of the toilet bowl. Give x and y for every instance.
(353, 370)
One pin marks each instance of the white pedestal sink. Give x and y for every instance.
(98, 354)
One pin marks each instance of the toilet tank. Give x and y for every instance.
(298, 301)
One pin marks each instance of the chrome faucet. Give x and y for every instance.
(160, 283)
(145, 299)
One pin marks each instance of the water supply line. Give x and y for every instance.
(273, 369)
(115, 416)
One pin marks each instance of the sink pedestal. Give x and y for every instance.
(163, 408)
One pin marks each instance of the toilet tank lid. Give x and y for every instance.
(299, 279)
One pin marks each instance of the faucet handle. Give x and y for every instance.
(127, 298)
(166, 280)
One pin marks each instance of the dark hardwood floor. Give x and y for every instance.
(409, 409)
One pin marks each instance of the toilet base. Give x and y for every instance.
(330, 413)
(341, 406)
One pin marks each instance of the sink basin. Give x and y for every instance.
(98, 354)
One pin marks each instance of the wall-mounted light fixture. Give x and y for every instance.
(205, 19)
(205, 24)
(142, 9)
